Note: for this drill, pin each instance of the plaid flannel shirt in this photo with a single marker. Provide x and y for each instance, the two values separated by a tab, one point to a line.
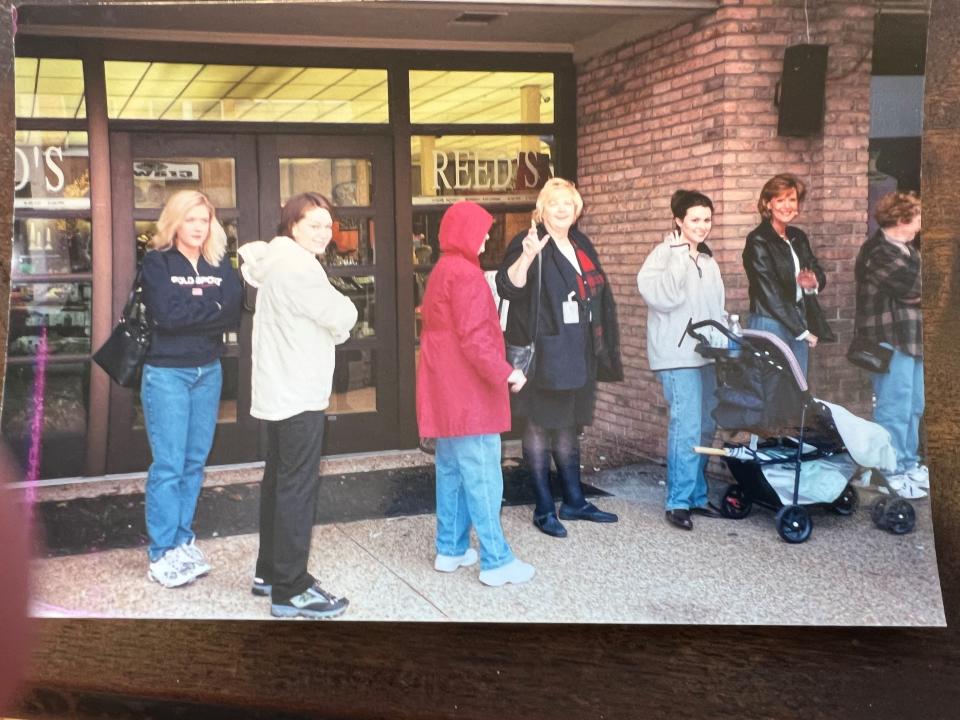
888	294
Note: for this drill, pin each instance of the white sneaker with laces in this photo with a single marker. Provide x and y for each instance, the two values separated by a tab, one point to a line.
170	570
903	486
514	571
449	563
190	553
920	476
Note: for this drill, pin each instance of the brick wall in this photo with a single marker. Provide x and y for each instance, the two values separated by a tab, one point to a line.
693	108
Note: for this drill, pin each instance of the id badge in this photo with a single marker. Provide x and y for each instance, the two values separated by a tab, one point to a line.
571	311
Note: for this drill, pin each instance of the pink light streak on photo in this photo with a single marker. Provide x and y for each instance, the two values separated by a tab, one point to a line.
36	420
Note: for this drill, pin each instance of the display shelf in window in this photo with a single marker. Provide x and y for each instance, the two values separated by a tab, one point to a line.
63	309
51	246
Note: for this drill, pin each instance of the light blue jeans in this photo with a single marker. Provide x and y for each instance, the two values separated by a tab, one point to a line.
180	409
690	396
900	405
799	347
470	490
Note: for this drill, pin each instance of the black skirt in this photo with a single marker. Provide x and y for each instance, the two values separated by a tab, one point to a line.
556	409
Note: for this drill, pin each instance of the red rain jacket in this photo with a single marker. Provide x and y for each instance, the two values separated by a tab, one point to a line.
462	372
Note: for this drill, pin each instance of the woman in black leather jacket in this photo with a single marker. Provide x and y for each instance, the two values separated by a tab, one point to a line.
783	272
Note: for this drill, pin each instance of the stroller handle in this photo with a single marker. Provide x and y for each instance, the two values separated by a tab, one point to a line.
692	328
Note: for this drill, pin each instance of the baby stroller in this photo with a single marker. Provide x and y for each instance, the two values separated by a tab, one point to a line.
811	448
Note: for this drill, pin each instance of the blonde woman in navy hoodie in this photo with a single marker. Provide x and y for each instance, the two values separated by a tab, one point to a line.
192	295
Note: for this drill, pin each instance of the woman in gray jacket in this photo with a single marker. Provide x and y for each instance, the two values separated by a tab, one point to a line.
680	281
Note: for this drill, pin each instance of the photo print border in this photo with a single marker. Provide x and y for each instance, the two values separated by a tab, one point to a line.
741	671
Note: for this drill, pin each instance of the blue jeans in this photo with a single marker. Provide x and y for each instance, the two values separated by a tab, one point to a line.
180	409
900	405
800	349
470	490
690	395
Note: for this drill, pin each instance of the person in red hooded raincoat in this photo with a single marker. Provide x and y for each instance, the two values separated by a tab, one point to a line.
463	400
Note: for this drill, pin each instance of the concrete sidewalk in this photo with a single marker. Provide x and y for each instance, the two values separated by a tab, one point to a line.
639	570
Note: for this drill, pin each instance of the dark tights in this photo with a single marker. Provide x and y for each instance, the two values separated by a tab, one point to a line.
538	445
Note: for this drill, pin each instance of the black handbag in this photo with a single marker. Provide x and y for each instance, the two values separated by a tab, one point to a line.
522	357
869	355
122	355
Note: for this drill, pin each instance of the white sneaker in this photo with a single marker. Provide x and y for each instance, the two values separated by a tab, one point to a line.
191	554
170	570
920	476
449	563
514	571
903	486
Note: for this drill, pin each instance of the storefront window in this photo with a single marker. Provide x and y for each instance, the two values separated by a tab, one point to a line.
441	96
49	88
51	171
354	383
156	179
185	91
483	168
347	182
62	309
51	247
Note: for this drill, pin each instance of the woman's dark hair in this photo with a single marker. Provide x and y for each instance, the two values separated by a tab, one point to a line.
683	200
297	207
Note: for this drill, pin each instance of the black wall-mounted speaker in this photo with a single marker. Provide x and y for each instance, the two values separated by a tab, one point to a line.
802	89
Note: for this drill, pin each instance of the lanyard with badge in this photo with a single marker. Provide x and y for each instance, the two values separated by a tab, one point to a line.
571	309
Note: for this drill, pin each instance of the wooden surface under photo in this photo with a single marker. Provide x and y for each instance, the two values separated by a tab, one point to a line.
113	668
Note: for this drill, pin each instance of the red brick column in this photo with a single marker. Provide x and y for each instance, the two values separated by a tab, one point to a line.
693	108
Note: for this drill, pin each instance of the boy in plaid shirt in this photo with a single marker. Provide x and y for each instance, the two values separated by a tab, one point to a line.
889	312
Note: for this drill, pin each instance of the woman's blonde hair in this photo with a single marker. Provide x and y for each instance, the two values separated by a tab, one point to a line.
172	216
555	186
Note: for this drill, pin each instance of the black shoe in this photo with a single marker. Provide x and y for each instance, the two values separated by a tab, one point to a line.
709	510
549	525
680	518
260	587
588	512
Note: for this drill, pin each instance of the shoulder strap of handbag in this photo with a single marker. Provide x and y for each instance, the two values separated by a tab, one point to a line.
536	323
536	317
132	308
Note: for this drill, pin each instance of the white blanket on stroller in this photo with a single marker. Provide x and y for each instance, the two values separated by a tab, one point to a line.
867	442
821	481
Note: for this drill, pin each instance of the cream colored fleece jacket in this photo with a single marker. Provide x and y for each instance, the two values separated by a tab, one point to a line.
300	318
678	289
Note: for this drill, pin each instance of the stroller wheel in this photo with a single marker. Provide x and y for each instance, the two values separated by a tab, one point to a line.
794	523
878	513
847	503
735	504
898	516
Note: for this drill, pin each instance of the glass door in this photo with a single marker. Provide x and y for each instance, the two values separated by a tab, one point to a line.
147	169
355	173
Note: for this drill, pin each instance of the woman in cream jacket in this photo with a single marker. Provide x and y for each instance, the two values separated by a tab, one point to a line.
299	320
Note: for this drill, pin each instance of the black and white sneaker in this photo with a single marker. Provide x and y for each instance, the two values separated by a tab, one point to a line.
260	587
314	602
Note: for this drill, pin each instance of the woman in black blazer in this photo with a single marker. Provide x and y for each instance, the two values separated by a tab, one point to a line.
577	343
783	273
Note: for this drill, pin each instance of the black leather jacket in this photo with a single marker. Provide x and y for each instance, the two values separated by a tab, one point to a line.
772	275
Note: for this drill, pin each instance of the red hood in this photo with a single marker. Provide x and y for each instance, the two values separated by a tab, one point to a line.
463	228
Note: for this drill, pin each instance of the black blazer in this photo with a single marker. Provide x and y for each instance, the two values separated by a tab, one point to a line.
563	349
773	283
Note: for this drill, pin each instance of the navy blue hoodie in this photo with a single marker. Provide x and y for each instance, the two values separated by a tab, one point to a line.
188	309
